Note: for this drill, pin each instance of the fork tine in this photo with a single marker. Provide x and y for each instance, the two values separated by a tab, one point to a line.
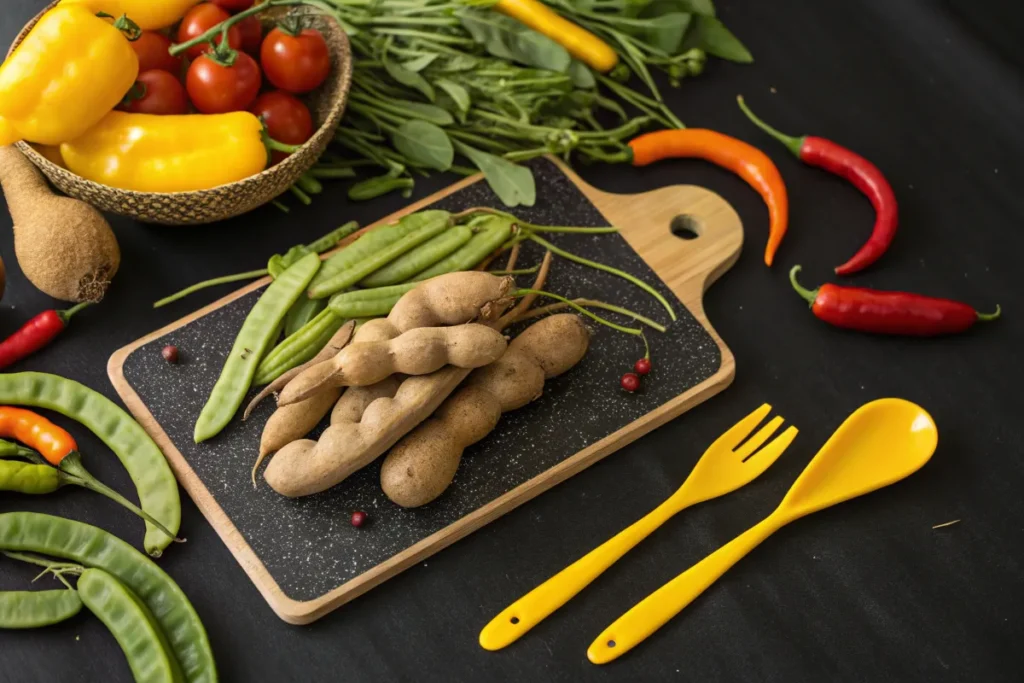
763	459
757	440
739	431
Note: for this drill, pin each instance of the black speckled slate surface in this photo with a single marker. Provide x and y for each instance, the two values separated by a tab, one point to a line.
308	545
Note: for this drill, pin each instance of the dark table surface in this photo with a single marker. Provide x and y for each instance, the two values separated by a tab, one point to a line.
933	92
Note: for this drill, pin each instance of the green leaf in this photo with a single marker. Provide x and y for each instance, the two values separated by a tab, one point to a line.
425	144
666	32
714	38
418	110
459	95
420	63
409	78
507	38
581	75
703	7
456	63
513	184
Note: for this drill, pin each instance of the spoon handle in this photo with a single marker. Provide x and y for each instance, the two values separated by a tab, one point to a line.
651	613
531	609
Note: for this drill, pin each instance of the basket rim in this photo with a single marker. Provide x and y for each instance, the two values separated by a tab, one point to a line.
331	122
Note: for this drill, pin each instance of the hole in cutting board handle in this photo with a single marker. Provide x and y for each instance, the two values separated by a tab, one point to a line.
514	620
686	227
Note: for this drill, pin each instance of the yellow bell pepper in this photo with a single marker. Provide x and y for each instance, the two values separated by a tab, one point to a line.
150	15
68	73
148	153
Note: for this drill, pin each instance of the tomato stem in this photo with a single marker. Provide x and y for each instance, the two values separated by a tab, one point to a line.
209	35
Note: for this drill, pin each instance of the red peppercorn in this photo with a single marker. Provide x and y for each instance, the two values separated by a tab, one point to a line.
642	366
358	518
170	354
630	382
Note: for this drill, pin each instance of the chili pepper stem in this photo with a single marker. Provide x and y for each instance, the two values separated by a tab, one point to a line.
67	314
250	275
793	144
808	294
75	473
987	317
537	292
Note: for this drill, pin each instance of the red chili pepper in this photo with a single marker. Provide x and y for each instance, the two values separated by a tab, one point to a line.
35	334
870	310
746	161
863	174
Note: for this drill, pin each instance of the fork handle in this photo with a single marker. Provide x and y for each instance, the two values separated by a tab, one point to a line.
531	609
651	613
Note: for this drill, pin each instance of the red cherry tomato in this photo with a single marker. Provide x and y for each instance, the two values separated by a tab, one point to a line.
152	50
297	64
233	6
285	117
161	93
218	89
201	19
252	34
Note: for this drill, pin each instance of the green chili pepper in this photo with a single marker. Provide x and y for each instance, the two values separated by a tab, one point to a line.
35	609
378	259
256	335
9	449
420	258
299	347
304	310
146	465
93	547
369	303
28	478
494	231
373	241
133	626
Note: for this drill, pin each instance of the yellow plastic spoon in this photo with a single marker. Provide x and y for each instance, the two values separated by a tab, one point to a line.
881	443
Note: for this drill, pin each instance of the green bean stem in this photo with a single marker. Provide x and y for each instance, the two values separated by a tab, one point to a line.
250	275
579	309
592	303
608	269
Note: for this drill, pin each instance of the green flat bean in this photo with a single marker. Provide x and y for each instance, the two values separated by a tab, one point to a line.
304	310
420	258
256	335
94	547
494	231
371	242
369	303
379	259
35	609
146	465
278	263
132	625
299	347
331	239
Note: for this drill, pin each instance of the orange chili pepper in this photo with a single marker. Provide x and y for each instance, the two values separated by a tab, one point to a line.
35	431
746	161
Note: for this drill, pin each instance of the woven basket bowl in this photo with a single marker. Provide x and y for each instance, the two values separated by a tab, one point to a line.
327	104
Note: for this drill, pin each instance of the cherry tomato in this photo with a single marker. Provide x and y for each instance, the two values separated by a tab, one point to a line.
252	34
297	64
201	19
162	93
285	117
233	6
218	89
152	50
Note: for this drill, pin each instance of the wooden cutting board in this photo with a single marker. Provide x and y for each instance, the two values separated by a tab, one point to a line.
303	555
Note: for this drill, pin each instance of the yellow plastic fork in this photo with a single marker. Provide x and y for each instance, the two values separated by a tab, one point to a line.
724	467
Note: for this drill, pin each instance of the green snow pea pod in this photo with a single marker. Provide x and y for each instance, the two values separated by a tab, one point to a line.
368	303
299	347
258	332
304	310
146	465
370	243
35	609
379	259
494	231
132	625
29	478
420	258
95	548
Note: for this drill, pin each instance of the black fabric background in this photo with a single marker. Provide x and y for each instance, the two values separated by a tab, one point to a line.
933	93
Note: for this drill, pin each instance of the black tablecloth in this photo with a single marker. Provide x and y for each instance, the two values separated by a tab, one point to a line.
868	591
